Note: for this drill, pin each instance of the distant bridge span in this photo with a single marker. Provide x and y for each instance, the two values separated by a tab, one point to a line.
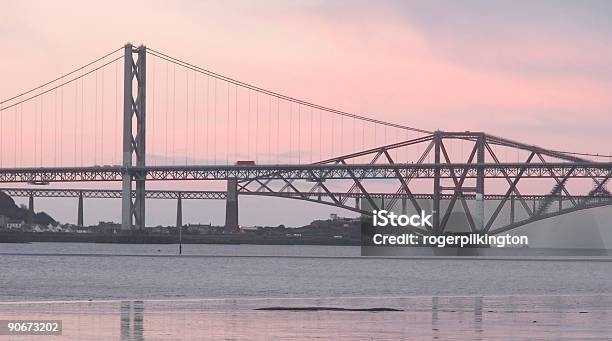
584	202
456	167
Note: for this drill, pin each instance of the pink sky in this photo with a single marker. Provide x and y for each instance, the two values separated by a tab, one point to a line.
359	58
537	73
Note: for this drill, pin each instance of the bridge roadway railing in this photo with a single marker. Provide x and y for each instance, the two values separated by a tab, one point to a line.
221	195
308	172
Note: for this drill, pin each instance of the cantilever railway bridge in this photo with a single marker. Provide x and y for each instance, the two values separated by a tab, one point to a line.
201	130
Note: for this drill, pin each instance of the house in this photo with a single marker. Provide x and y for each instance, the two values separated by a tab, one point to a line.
14	224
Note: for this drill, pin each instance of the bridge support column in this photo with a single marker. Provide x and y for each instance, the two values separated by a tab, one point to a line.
480	179
133	212
436	185
357	203
404	207
31	209
231	205
80	210
179	212
512	209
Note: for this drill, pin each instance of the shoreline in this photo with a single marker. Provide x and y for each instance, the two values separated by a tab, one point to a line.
144	238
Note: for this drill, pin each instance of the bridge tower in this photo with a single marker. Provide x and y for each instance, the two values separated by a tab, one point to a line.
134	110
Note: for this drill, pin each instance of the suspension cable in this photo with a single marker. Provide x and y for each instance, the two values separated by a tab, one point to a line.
185	64
57	86
62	76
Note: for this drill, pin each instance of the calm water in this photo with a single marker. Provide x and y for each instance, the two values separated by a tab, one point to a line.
149	292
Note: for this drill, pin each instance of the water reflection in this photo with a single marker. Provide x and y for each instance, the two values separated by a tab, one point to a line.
132	327
434	318
478	317
443	318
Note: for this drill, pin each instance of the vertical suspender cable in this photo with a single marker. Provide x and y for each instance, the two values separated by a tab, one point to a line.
207	106
116	125
102	145
61	136
174	115
236	121
186	116
1	134
215	123
195	103
341	134
40	150
354	136
21	134
151	136
311	122
166	99
36	104
269	129
196	148
375	141
277	129
96	119
227	126
299	144
82	118
396	141
320	135
74	122
249	128
256	126
406	148
363	135
55	129
290	131
15	137
333	135
385	141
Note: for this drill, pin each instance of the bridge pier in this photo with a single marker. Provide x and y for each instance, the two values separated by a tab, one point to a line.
80	210
436	184
31	209
179	212
480	183
231	205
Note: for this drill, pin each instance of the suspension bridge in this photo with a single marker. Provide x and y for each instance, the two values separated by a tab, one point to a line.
137	116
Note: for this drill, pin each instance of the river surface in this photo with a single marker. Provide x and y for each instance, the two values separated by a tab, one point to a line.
136	292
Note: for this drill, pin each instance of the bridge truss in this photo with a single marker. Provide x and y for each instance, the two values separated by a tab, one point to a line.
444	172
